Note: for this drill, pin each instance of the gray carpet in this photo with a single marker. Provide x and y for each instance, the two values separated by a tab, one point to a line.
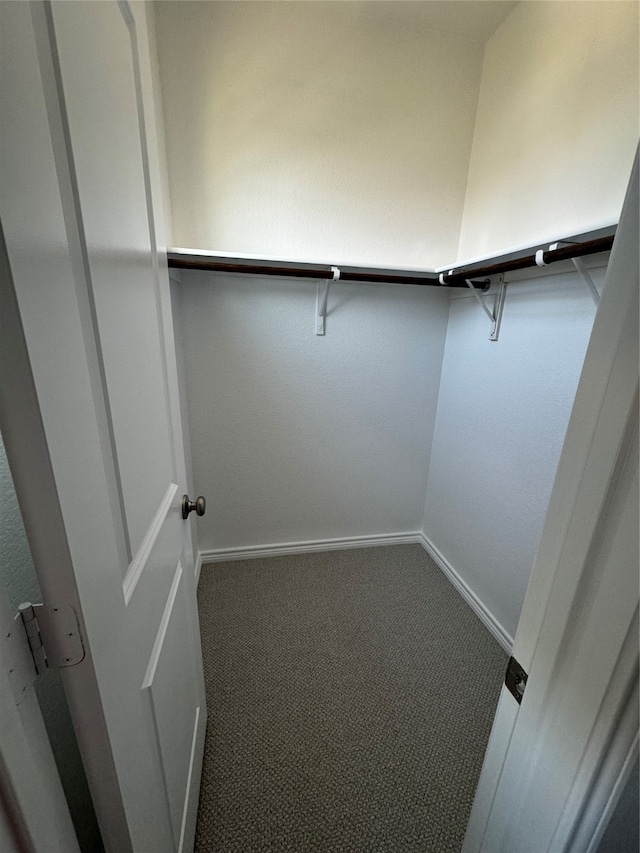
351	695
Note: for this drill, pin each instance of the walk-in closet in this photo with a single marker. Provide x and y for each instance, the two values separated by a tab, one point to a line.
319	370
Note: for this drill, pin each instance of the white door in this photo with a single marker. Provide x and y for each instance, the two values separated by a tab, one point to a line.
34	817
555	764
92	425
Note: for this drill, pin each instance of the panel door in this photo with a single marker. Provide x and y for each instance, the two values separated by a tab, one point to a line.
79	195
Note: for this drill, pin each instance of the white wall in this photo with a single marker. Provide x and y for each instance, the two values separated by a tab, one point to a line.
296	437
334	131
304	130
313	131
502	415
17	573
557	125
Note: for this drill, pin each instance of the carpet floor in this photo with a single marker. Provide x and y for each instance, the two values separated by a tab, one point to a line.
351	695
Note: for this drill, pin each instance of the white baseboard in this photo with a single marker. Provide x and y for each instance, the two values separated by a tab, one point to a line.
479	608
218	555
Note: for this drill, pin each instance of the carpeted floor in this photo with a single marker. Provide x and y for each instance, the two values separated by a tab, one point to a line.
351	695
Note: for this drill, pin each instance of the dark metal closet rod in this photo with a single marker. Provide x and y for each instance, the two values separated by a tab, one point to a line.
179	262
457	279
565	253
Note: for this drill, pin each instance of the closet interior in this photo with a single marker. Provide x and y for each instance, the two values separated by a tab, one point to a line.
353	144
387	250
376	237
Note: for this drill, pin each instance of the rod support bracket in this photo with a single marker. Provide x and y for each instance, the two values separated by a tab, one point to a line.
498	308
321	301
586	277
578	264
495	313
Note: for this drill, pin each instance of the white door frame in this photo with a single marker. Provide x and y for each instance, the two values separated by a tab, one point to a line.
555	765
35	816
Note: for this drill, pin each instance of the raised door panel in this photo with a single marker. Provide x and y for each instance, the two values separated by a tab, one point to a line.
148	580
106	132
170	687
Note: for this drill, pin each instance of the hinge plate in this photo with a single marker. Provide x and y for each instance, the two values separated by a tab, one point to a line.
60	634
22	672
39	637
515	679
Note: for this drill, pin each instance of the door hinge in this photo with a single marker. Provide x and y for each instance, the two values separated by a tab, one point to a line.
515	679
53	640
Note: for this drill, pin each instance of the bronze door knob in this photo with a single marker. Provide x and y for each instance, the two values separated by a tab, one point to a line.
188	506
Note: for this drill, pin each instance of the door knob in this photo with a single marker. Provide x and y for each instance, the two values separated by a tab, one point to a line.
188	506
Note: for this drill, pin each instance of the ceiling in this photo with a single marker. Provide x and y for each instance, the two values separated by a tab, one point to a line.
476	19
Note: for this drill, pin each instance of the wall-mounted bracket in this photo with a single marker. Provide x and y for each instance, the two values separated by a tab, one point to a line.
495	313
578	264
321	301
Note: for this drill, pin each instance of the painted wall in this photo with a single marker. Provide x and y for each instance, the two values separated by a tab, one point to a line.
503	411
300	438
557	125
296	437
18	579
321	131
18	575
311	131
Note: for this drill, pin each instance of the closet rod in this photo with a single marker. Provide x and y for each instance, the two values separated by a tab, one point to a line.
457	275
204	263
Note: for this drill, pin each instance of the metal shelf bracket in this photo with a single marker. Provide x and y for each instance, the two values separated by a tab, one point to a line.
578	264
321	301
495	313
